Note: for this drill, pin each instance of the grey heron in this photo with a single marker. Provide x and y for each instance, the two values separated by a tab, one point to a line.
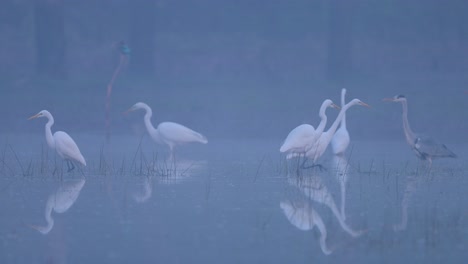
425	148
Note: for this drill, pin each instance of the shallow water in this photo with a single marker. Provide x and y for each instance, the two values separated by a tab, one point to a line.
231	201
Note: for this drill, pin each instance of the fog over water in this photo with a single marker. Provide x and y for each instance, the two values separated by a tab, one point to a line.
242	74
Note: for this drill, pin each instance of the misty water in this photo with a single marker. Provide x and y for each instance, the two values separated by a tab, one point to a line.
242	73
230	201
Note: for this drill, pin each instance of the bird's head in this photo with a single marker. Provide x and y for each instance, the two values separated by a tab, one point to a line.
396	98
358	102
43	113
137	106
329	103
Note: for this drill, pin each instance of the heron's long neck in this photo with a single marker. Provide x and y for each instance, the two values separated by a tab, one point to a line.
406	127
48	132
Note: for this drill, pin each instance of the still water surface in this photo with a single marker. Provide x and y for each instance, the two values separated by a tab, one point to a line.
229	202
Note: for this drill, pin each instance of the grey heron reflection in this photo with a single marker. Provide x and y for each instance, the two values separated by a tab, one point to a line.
301	215
314	188
412	184
60	201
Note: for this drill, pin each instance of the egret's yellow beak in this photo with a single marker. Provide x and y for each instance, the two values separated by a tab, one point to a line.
365	105
388	99
335	106
131	109
34	116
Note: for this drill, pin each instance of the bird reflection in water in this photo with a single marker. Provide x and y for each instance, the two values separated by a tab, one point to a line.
304	217
340	170
60	201
313	187
167	173
412	183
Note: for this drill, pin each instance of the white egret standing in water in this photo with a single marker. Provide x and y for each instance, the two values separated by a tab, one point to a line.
60	141
169	133
303	136
424	147
317	150
340	140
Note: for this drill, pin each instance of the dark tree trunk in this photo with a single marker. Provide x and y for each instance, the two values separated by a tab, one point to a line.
340	40
50	38
142	34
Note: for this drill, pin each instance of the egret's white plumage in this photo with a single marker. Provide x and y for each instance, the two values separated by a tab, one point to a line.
169	133
303	136
317	150
340	140
63	144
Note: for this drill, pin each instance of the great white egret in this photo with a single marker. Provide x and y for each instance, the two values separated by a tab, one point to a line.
169	133
60	141
340	140
60	201
424	147
303	136
317	150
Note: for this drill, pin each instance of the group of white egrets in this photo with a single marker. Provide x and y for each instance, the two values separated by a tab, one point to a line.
302	141
305	140
169	133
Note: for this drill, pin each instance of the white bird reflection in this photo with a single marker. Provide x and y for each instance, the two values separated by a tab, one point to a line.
167	173
313	187
412	183
60	201
304	217
145	191
340	169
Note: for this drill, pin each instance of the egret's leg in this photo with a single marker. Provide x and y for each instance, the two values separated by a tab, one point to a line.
320	166
303	162
70	166
171	153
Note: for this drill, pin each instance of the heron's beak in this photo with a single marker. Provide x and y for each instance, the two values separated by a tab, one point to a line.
131	109
34	116
335	106
388	99
365	105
